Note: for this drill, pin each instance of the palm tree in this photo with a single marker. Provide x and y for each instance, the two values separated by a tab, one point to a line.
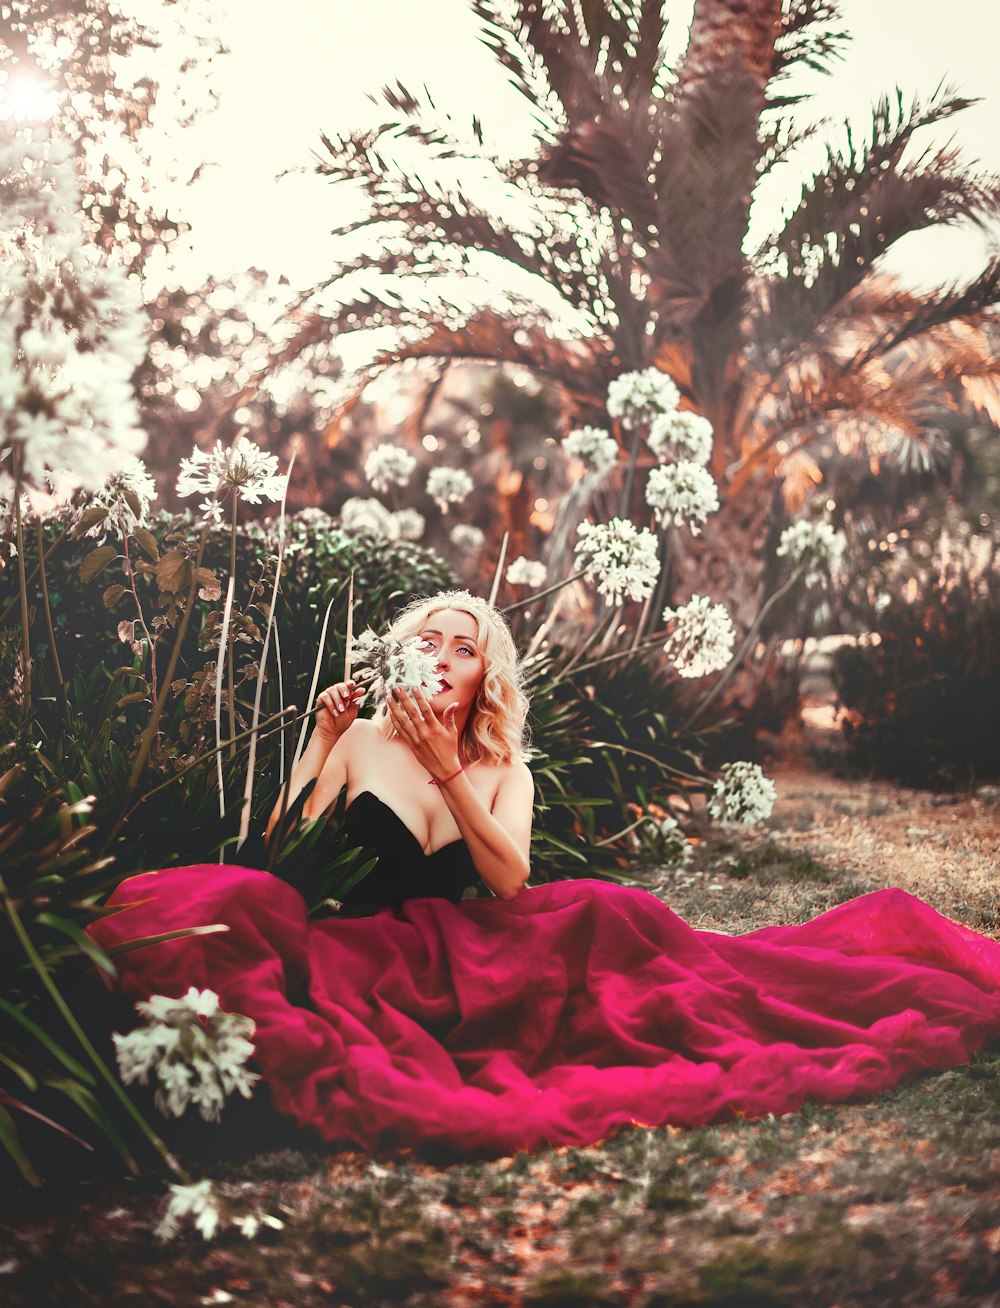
633	213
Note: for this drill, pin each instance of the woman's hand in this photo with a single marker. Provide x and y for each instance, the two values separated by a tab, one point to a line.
336	709
433	741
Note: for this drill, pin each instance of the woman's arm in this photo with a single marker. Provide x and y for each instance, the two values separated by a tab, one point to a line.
499	840
337	708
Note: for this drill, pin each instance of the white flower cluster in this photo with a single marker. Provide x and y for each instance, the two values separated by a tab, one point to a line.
672	846
741	796
466	538
620	558
702	638
126	495
526	572
244	469
681	435
410	524
638	396
593	446
208	1210
448	486
368	517
71	331
384	662
389	465
814	546
193	1049
682	493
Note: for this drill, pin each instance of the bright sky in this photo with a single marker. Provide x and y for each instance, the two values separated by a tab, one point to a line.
306	68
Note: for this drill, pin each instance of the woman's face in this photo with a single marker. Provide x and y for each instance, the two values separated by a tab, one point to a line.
451	633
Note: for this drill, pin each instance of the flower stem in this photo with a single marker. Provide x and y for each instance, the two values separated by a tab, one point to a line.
48	607
43	974
12	605
230	650
618	654
751	636
540	594
629	482
159	703
23	584
138	608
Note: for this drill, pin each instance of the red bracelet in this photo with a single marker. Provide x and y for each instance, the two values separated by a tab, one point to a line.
444	780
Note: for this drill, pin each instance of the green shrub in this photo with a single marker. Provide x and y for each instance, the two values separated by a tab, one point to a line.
923	697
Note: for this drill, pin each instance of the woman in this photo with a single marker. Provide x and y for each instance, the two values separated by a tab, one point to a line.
550	1015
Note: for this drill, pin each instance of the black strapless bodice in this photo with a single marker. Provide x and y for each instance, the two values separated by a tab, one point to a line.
403	870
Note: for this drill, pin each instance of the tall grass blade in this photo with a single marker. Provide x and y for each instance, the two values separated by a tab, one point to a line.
499	572
220	669
315	682
254	721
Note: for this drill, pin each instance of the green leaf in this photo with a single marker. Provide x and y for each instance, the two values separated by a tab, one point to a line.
96	562
132	500
43	1037
93	951
133	697
11	1141
147	543
112	595
89	519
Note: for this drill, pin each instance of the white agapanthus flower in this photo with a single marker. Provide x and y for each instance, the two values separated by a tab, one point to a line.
672	845
193	1050
381	663
243	469
466	538
389	465
526	572
197	1201
127	496
742	796
683	494
71	330
448	486
368	517
619	557
593	446
636	397
681	435
702	638
411	524
208	1210
814	546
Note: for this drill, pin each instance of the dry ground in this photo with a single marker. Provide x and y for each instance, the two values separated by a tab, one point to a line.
892	1202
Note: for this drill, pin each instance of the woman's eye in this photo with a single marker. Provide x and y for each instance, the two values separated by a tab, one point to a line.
465	649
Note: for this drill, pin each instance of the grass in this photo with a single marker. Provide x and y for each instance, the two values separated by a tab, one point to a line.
890	1202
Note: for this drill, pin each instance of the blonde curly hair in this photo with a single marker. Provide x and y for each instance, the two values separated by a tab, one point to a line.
496	731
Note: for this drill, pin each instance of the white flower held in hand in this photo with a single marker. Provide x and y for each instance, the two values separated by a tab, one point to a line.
702	639
244	469
682	493
681	435
593	446
384	662
448	486
389	465
636	397
526	572
622	558
814	546
194	1051
741	796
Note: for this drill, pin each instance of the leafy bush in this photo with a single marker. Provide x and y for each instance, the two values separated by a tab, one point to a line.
921	692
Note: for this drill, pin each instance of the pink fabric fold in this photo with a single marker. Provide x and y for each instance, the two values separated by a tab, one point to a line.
563	1015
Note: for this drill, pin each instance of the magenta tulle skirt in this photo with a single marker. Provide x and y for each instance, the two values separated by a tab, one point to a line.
559	1017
